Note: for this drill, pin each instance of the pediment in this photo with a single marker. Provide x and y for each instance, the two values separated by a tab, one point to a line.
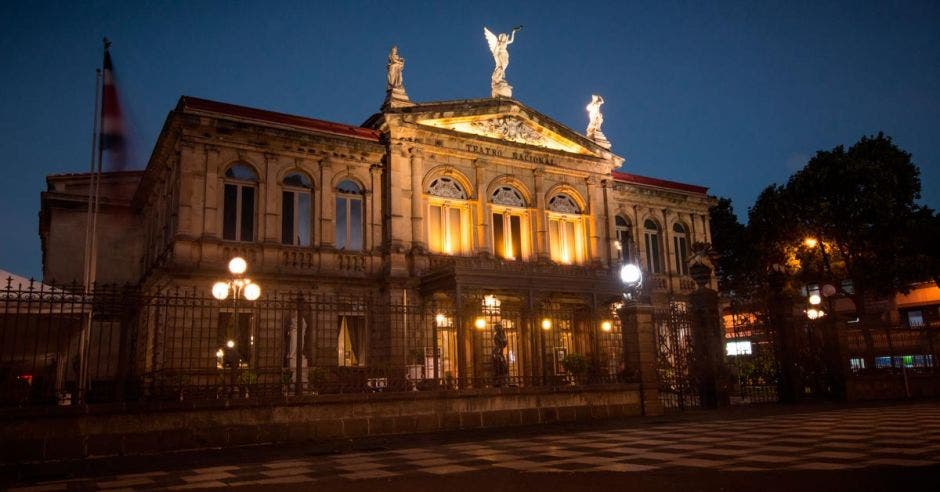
511	128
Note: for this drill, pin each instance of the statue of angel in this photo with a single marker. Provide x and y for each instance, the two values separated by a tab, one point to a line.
595	116
499	48
395	66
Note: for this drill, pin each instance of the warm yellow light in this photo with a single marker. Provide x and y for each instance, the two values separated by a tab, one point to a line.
810	242
237	265
220	354
546	324
490	301
480	323
440	319
252	292
220	290
230	344
814	299
606	325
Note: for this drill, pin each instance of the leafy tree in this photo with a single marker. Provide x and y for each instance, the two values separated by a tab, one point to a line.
861	206
735	258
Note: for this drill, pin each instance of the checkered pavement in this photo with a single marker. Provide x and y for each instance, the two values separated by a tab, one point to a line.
842	439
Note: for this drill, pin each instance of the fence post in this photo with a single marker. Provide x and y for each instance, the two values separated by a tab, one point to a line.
708	339
639	352
780	314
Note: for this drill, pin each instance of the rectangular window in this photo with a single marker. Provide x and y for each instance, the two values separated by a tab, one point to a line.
453	243
499	238
681	253
355	225
857	363
738	348
352	341
247	214
915	319
654	262
230	212
287	217
436	229
341	222
515	228
304	219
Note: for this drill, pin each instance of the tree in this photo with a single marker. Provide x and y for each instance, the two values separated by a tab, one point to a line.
735	258
861	206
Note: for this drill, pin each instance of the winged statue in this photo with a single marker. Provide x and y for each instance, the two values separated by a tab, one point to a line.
498	44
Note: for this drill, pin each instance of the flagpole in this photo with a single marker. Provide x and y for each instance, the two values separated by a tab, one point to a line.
91	233
91	187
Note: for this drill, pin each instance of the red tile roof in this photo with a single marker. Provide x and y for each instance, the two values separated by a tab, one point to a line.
196	104
662	183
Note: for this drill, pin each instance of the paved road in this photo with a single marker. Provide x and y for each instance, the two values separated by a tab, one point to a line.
873	448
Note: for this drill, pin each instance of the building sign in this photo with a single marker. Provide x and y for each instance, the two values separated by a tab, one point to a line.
515	154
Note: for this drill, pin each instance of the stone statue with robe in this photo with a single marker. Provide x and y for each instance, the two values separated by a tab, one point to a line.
595	120
499	47
395	87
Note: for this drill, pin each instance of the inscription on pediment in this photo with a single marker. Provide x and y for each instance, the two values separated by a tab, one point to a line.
510	129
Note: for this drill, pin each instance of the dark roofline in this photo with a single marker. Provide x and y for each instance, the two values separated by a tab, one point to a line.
661	183
103	173
197	104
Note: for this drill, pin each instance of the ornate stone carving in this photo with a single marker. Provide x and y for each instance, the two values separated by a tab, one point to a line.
564	204
507	195
499	47
509	128
445	187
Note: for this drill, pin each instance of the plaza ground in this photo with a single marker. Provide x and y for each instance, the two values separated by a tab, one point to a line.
809	447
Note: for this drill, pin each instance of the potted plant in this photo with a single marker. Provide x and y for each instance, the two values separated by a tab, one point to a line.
576	365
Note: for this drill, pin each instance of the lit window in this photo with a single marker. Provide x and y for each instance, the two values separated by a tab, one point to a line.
624	239
915	319
238	209
508	223
654	259
296	211
857	363
351	342
738	348
680	244
565	230
448	217
349	216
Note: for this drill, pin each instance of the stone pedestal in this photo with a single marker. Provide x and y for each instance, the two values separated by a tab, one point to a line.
600	139
639	353
708	339
396	98
501	89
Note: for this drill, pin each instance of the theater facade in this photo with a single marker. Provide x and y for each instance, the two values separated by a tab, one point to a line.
478	213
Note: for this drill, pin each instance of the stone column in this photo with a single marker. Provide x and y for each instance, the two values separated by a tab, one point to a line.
639	352
541	226
484	231
418	241
708	340
593	250
327	204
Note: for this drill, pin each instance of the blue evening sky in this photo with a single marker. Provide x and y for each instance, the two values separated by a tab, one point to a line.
730	95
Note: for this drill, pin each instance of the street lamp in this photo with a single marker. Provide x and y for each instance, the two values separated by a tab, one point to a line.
632	278
238	286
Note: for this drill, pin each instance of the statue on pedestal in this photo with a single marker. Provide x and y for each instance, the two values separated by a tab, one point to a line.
499	48
395	95
595	120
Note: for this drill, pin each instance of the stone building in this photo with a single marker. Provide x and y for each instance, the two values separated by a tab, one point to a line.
476	207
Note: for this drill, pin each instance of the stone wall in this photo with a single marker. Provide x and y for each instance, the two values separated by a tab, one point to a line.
891	387
100	432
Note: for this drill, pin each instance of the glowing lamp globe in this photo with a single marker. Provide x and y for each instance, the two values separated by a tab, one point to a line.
440	319
606	325
252	292
546	324
630	274
812	313
220	290
815	299
479	323
237	265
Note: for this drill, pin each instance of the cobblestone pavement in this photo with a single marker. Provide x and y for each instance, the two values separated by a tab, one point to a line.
840	439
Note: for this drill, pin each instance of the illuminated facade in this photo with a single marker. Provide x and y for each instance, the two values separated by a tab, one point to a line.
484	206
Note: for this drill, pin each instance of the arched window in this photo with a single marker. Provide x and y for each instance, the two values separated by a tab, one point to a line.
448	217
654	258
508	207
238	208
680	244
296	210
565	231
624	239
349	216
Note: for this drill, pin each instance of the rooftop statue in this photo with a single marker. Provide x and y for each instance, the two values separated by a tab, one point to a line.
595	120
395	89
499	48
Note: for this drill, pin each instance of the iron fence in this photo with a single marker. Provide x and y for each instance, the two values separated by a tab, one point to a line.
61	346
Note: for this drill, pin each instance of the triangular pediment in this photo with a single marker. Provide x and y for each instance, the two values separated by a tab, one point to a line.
508	127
